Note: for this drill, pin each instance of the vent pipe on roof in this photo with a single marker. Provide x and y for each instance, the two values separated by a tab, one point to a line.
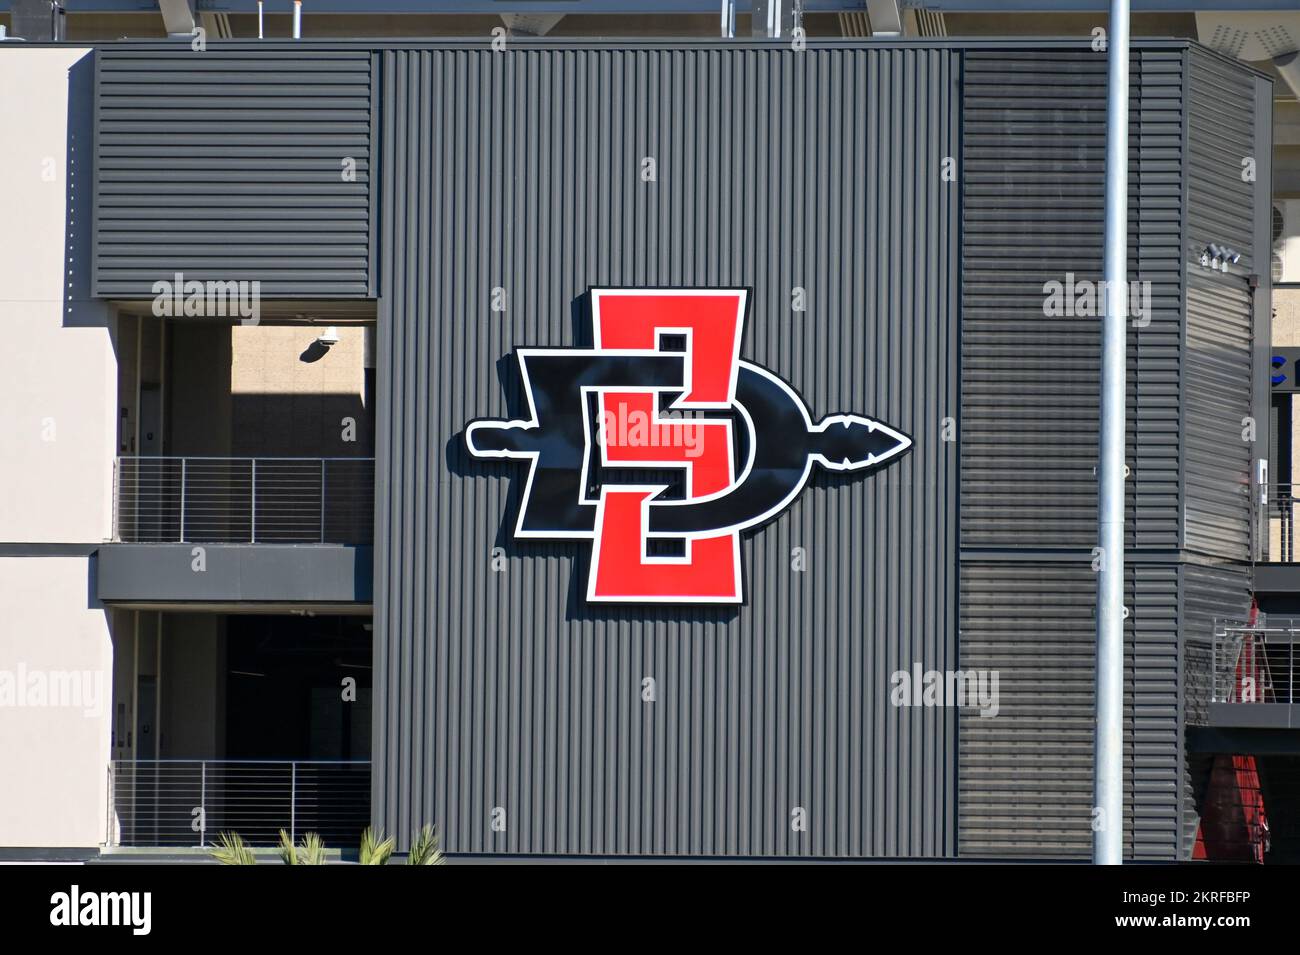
729	18
297	19
259	20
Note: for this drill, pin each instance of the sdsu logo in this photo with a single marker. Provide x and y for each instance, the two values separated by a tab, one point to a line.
660	446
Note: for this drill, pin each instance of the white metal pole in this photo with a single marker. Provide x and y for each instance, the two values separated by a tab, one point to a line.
297	19
1108	817
729	18
259	19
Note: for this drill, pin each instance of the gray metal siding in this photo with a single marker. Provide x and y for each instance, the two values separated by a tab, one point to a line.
1220	203
1153	767
1217	405
1218	369
227	165
775	169
1034	138
281	574
1026	774
1034	168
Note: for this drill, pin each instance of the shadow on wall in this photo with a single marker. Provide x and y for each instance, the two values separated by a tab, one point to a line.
203	417
301	425
80	309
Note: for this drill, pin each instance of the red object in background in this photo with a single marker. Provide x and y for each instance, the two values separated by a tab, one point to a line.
1249	666
1234	825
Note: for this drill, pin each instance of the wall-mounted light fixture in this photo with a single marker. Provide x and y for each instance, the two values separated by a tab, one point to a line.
1219	257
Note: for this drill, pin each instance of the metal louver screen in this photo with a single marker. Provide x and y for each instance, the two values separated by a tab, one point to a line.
226	166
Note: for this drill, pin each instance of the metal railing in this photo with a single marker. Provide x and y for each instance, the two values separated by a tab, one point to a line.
244	500
189	802
1255	664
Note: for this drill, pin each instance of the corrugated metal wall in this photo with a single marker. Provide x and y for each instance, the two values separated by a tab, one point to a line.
1026	773
775	169
1034	159
1220	319
1216	412
1221	357
1034	141
1034	132
1220	201
229	165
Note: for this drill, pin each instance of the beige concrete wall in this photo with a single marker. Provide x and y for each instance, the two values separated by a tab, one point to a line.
290	397
57	427
58	368
1286	317
58	434
56	750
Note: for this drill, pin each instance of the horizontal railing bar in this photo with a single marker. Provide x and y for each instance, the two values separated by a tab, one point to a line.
245	499
211	458
247	762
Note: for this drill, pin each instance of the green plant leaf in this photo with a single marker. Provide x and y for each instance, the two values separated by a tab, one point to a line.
288	851
313	850
231	850
424	850
375	849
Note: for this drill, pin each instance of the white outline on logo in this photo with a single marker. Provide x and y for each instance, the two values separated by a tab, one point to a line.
903	442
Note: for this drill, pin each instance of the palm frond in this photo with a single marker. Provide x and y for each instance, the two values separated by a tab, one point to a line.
288	851
313	849
375	849
232	850
424	850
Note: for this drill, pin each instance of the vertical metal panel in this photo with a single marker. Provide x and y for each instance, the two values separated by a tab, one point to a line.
228	165
776	169
1220	202
1217	387
1033	161
1153	769
1034	140
1218	368
1026	774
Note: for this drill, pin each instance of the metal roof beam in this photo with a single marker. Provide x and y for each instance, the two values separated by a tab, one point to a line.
178	16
